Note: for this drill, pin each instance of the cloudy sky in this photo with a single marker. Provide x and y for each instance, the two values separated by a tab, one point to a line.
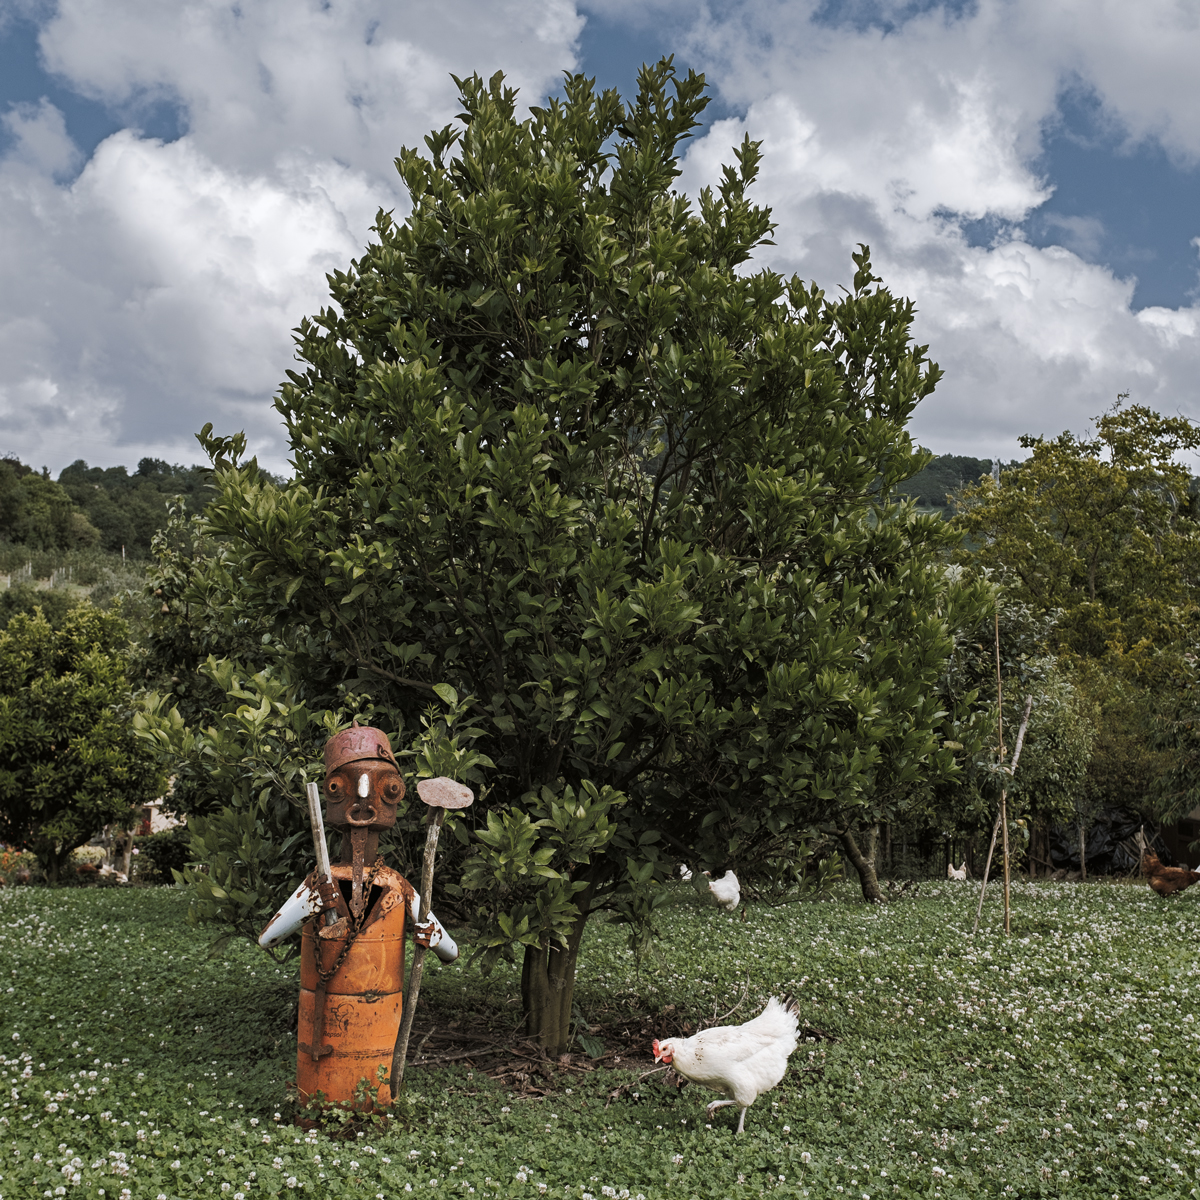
176	177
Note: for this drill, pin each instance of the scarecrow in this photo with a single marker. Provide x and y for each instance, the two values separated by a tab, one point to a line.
354	914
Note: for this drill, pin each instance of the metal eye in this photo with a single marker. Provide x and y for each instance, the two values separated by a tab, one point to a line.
391	790
333	786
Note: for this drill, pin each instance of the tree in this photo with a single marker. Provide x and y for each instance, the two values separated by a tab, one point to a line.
1103	529
36	512
1103	533
558	448
69	761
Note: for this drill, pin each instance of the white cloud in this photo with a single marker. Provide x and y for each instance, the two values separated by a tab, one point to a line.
883	138
40	138
345	80
158	289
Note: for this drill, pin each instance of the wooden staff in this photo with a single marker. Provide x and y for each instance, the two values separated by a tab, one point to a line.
1000	820
440	794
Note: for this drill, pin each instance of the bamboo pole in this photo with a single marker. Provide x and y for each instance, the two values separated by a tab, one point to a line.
1003	791
1000	820
986	869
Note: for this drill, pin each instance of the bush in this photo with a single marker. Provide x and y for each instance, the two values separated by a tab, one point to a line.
16	866
161	853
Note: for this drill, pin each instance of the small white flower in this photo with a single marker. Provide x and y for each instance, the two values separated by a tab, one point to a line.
787	1129
805	1157
677	1159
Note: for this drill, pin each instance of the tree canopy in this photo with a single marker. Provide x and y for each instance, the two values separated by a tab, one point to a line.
557	447
1101	534
69	760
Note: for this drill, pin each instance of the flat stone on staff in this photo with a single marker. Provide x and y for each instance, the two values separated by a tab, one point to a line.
445	793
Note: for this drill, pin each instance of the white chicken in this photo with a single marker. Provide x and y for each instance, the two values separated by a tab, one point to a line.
739	1061
726	890
959	873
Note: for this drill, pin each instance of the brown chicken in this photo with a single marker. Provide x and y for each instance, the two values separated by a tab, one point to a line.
1166	881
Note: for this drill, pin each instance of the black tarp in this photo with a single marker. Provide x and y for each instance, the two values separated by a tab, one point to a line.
1105	853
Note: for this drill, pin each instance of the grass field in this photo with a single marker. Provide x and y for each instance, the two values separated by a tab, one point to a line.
1060	1062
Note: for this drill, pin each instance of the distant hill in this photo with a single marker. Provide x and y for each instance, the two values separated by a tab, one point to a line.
947	473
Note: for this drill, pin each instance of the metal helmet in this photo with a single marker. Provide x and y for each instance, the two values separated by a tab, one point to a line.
355	744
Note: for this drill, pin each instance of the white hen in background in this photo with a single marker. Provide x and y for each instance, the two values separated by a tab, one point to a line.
739	1061
953	872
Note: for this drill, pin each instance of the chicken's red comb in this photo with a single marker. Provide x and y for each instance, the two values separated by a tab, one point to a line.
654	1048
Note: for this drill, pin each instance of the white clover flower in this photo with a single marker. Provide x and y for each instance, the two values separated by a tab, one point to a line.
938	1172
291	1181
677	1159
805	1157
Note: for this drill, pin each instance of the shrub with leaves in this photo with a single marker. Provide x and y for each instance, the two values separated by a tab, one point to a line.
69	761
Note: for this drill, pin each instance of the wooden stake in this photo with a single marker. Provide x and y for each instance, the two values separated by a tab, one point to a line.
987	867
1000	820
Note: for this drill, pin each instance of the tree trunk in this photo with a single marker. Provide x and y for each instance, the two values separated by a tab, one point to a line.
864	866
52	859
548	984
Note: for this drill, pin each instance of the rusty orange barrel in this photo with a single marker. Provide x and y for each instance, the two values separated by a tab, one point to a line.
362	1005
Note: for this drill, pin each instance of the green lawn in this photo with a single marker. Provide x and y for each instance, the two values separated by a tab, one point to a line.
1060	1062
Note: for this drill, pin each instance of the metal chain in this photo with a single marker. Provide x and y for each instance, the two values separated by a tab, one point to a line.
356	925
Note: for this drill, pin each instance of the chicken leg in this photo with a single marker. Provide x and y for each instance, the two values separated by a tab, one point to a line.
712	1108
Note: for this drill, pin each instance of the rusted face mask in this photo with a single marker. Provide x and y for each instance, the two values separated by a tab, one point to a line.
363	785
363	795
